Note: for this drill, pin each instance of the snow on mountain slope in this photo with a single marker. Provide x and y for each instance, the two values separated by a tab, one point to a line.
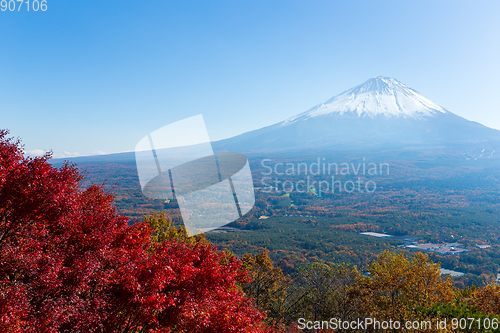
378	114
378	96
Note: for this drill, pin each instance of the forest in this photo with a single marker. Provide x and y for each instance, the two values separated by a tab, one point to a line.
434	198
70	262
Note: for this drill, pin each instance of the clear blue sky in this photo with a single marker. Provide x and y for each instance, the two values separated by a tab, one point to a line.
96	76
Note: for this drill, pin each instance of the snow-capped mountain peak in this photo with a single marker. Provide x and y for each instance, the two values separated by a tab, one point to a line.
377	96
381	113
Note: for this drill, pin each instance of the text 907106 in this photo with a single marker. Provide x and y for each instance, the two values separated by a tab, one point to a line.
23	5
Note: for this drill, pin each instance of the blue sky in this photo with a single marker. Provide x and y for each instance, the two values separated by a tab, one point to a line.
87	77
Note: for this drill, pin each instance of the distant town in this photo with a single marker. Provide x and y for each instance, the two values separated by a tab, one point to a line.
411	243
443	248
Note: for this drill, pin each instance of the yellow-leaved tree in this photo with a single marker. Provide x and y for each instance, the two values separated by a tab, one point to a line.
397	285
164	229
268	285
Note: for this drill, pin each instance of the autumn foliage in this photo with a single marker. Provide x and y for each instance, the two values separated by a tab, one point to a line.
70	263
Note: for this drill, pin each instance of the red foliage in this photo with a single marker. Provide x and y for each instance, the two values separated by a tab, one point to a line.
70	263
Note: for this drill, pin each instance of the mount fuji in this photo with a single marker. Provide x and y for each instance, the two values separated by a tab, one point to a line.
382	112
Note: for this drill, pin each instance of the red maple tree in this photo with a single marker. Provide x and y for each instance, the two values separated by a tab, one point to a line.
70	263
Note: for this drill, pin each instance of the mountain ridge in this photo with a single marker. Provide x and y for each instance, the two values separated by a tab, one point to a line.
430	126
380	112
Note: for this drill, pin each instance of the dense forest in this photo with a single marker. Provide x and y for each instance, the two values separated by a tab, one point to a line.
434	198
